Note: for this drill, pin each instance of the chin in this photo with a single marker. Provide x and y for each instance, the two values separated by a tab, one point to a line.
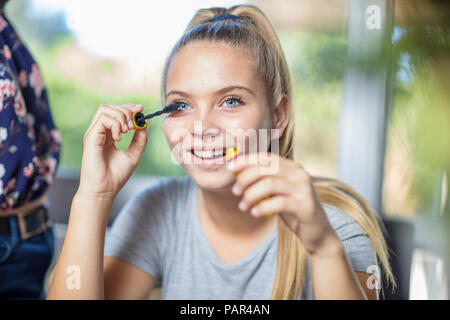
211	180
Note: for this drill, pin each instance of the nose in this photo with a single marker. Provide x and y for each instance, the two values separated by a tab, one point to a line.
205	127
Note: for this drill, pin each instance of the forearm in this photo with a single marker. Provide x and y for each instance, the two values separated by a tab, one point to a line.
82	251
333	277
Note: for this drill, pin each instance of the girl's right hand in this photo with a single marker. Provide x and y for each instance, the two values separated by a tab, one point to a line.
104	167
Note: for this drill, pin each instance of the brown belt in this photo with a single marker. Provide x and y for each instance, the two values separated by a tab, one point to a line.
27	207
33	218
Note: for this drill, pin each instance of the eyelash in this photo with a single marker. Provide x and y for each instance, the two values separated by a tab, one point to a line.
239	101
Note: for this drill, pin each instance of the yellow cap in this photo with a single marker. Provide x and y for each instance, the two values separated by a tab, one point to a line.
135	125
231	153
269	214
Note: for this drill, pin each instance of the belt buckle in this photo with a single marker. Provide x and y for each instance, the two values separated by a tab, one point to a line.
21	218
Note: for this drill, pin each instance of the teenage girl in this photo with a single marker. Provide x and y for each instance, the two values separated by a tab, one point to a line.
229	230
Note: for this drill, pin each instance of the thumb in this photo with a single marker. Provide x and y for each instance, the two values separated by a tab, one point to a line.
137	144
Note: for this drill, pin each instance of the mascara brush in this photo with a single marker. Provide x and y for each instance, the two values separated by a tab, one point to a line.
140	120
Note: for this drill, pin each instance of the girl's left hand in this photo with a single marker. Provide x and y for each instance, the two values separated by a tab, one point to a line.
292	197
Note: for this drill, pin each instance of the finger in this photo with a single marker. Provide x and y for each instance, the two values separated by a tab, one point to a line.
266	187
253	173
114	112
125	112
131	109
128	115
242	161
273	205
137	144
100	110
248	168
95	117
105	126
110	126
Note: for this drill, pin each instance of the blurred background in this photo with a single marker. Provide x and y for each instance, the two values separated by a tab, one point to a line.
371	101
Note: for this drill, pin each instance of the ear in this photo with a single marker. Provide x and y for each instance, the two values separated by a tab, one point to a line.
281	116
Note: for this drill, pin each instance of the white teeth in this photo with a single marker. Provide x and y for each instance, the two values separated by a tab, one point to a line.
206	154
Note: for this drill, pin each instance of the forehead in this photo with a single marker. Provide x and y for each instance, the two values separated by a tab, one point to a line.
204	66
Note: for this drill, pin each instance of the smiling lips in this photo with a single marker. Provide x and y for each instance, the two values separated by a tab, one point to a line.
211	157
209	154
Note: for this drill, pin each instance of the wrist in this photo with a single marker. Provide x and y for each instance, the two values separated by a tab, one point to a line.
93	206
331	247
98	198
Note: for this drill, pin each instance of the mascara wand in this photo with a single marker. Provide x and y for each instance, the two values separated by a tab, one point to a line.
139	119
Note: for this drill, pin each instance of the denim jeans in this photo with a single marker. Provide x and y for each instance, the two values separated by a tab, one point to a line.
24	263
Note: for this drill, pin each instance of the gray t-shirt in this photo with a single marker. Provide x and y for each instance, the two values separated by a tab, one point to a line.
159	231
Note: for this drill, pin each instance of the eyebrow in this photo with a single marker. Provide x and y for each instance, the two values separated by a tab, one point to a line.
221	91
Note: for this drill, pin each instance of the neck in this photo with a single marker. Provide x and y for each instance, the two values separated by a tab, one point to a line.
221	209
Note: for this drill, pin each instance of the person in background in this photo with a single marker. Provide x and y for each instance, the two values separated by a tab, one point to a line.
29	154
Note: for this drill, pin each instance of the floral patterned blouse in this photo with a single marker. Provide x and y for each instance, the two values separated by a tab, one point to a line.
29	141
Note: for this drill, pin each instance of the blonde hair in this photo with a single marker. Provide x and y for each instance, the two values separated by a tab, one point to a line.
253	32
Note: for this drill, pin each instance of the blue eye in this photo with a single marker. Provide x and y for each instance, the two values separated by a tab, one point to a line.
234	102
182	106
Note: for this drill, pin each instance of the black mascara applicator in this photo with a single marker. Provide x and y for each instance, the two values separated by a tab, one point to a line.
140	120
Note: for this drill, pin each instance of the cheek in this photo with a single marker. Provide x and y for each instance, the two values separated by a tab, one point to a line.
235	123
247	129
252	118
172	132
